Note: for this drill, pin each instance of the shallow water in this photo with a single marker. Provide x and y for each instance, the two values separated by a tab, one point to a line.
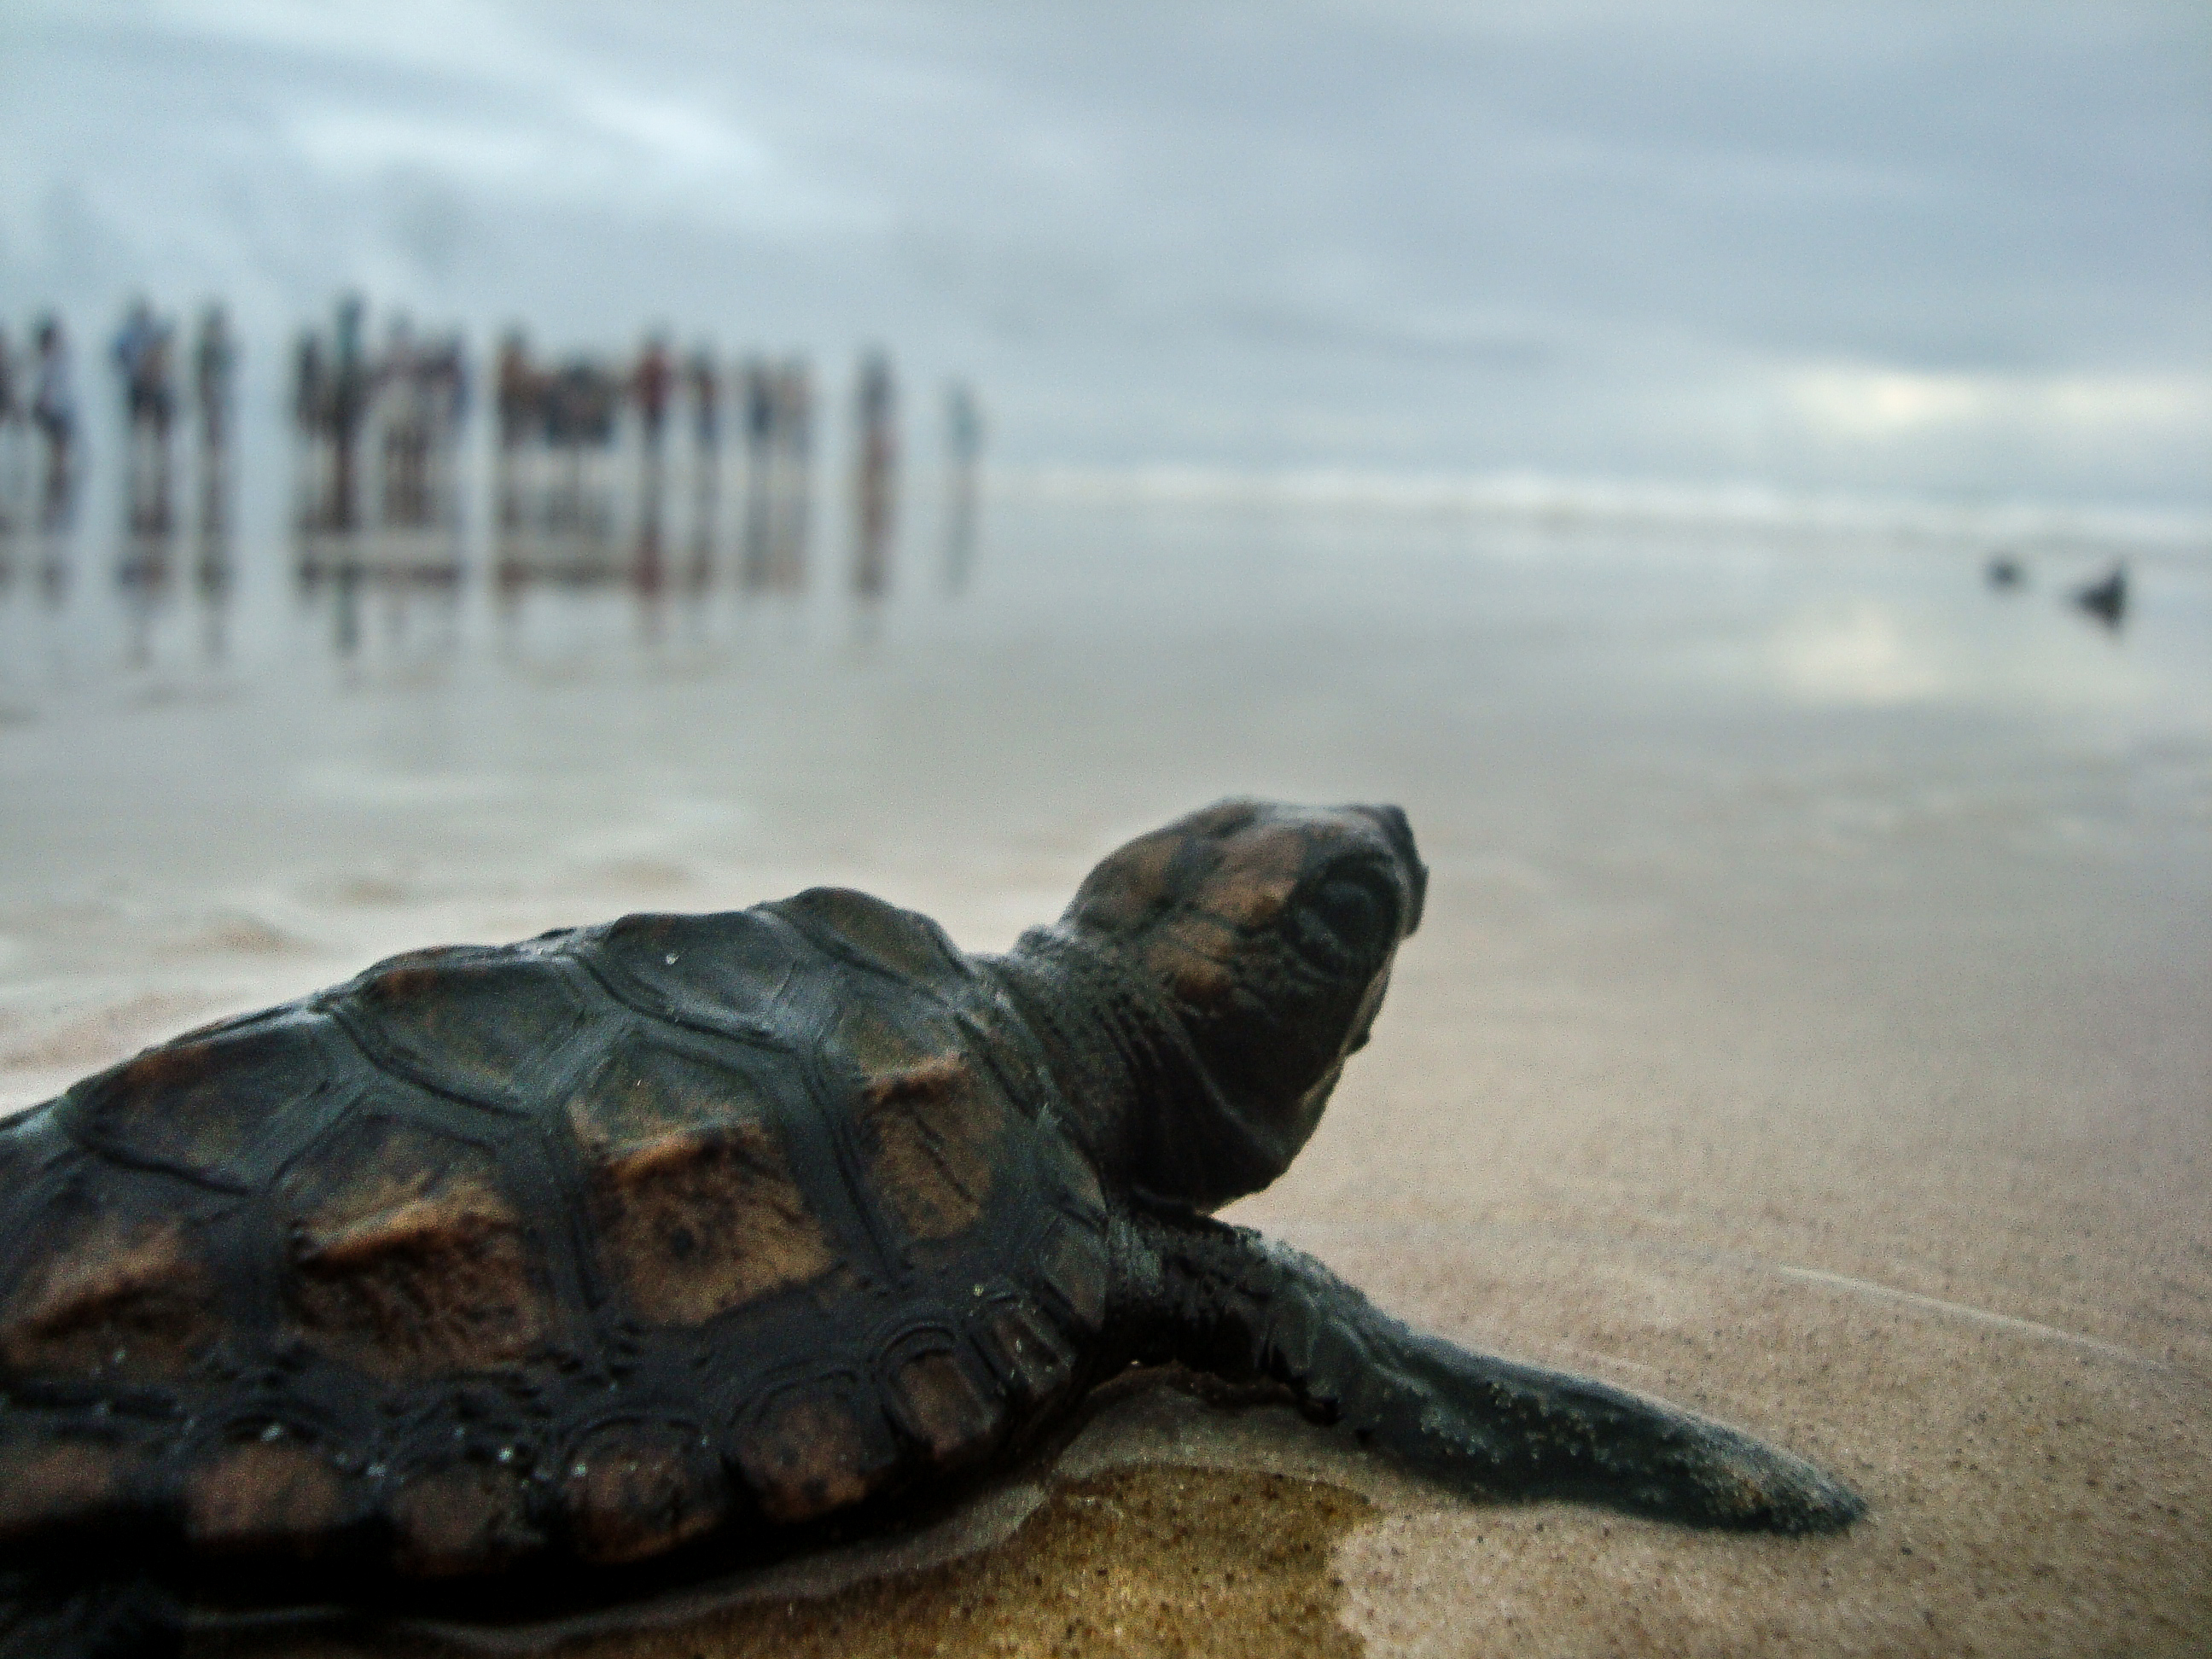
1807	1024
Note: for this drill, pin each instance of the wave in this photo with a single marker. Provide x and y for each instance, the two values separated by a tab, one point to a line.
1569	502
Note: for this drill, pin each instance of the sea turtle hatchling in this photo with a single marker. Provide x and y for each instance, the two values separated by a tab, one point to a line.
680	1240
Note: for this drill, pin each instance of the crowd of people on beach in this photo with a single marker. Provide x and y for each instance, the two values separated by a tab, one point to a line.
38	389
587	450
409	401
176	392
158	382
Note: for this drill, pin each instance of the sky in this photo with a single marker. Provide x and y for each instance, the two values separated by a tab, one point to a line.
1923	249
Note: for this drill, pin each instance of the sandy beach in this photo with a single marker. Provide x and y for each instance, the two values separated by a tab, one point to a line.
1808	1025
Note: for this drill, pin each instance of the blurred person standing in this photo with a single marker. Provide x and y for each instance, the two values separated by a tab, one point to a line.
760	413
10	411
758	392
311	399
652	383
215	364
706	404
520	400
352	384
447	384
705	381
11	421
875	475
54	409
516	391
795	476
404	412
141	356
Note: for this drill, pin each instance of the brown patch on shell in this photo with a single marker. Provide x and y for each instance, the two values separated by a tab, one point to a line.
112	1297
55	1485
935	1127
262	1498
697	1224
943	1408
808	1455
198	1104
408	1261
697	1209
469	1518
633	1493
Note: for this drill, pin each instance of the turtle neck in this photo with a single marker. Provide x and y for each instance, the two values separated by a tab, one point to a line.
1141	1102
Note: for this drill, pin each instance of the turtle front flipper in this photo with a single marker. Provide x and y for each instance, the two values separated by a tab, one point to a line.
1224	1301
47	1615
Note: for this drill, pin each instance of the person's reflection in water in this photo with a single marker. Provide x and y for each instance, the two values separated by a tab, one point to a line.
215	365
964	448
760	412
53	411
145	574
350	389
11	471
519	395
404	416
345	609
792	514
311	402
705	381
143	358
648	568
651	383
11	436
706	509
212	572
875	480
56	568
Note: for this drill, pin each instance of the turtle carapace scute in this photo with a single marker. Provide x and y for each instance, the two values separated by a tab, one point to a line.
686	1239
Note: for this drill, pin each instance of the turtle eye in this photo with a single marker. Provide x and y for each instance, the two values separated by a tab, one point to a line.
1353	910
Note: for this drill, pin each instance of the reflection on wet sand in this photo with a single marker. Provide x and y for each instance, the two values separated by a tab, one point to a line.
396	546
404	405
605	476
214	565
778	466
875	477
964	449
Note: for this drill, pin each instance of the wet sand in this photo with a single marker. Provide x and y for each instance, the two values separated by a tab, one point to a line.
1808	1027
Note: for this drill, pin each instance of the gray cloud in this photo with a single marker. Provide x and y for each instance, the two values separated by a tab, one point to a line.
1956	249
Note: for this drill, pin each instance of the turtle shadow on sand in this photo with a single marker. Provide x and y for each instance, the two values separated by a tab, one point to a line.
502	1275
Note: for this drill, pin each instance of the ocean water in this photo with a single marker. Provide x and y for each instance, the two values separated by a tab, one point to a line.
232	751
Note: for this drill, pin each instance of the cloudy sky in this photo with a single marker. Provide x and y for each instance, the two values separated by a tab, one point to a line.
1930	249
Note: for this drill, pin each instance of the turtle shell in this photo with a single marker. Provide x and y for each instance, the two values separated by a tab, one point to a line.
574	1249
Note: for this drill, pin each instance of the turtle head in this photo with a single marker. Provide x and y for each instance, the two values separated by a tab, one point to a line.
1269	931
